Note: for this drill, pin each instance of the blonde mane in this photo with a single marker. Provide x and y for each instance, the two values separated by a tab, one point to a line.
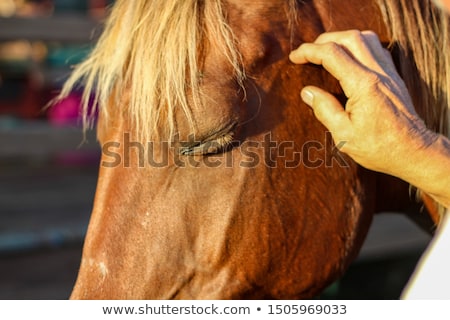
420	38
149	50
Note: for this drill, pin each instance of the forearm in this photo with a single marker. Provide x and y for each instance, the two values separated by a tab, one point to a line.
429	170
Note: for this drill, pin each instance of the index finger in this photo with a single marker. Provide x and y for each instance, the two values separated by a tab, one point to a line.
335	60
364	46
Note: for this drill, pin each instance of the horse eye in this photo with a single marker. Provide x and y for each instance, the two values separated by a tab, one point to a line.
209	147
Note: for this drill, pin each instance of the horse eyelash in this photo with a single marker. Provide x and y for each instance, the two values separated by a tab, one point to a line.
209	147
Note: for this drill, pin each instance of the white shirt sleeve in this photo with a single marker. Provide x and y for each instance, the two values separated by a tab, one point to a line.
431	278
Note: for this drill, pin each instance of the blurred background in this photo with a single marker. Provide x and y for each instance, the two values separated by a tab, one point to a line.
48	174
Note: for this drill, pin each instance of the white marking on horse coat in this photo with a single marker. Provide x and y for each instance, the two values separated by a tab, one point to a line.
144	222
103	269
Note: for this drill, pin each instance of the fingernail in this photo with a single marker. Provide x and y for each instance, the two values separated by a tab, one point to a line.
307	97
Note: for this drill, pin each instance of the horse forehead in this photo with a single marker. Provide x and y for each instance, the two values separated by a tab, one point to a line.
259	27
255	7
253	17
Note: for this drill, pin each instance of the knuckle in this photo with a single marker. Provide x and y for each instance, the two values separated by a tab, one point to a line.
362	38
355	40
332	48
355	36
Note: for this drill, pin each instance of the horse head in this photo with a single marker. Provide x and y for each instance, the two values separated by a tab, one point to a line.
216	181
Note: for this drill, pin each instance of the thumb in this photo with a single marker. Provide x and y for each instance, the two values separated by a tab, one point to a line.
326	108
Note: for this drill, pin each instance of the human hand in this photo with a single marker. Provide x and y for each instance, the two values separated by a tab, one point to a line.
379	125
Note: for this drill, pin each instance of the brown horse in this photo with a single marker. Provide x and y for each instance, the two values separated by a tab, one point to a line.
216	181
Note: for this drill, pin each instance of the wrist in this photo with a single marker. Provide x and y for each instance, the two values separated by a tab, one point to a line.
427	167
